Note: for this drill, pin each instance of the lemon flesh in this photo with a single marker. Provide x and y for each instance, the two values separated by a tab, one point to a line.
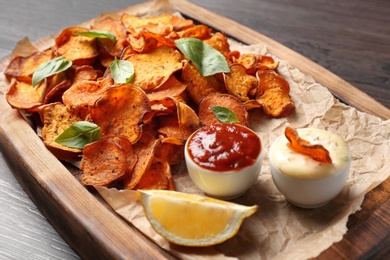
192	220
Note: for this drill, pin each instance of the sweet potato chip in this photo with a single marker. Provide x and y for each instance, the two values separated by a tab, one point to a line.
276	102
171	88
103	162
144	149
198	86
115	27
170	128
56	85
119	112
206	115
131	157
270	79
201	31
219	42
22	68
83	94
23	96
240	84
81	50
132	22
249	61
56	118
299	145
170	151
266	63
156	177
165	62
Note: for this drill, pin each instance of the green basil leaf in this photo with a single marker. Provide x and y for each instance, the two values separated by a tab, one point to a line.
224	114
79	134
208	60
98	34
122	71
50	68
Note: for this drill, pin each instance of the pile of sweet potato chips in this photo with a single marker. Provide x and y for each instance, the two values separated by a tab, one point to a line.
144	123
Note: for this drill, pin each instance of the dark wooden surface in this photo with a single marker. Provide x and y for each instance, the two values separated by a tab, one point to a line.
349	38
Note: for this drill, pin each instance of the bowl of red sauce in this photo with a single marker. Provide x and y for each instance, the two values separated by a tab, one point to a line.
224	160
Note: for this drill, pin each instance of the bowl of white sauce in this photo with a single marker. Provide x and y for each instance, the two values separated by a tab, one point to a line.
303	181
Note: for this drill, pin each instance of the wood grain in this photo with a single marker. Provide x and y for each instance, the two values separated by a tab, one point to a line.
42	185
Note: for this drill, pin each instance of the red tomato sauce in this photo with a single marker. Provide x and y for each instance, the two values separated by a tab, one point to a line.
224	147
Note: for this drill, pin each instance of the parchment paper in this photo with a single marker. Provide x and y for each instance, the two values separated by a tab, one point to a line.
279	230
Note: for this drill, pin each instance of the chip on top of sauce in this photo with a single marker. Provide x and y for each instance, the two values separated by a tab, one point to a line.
224	147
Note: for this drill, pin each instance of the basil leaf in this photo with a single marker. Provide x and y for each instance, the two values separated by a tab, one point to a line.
224	114
208	60
50	68
122	71
98	34
79	134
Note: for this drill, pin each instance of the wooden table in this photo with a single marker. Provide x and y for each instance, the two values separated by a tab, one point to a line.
351	39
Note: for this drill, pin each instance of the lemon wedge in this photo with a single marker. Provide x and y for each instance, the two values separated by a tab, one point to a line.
192	220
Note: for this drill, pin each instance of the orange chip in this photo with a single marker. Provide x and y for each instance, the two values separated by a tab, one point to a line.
103	162
219	42
266	63
165	62
171	151
83	94
249	61
56	85
198	86
156	177
132	22
171	88
239	83
201	31
131	157
81	50
144	149
56	118
22	68
207	116
24	96
299	145
115	27
270	79
170	128
120	110
276	102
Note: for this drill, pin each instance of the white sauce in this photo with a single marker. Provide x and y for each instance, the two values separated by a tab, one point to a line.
304	167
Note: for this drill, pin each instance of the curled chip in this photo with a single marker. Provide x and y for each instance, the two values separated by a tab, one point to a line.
299	145
83	94
239	83
276	102
198	86
115	27
132	22
207	117
201	31
103	162
165	62
120	110
56	118
145	150
270	79
157	177
79	49
219	42
249	61
23	96
266	63
22	68
131	157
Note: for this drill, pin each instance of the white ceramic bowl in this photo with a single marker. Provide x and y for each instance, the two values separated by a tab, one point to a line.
224	185
308	192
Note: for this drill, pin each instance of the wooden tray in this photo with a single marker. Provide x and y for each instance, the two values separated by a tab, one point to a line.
94	231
